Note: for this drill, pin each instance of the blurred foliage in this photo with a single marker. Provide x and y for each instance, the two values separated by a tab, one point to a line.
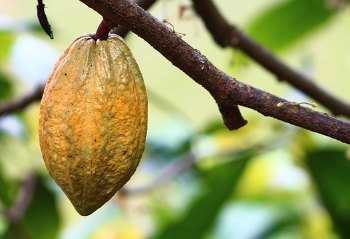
243	184
6	87
42	208
40	219
9	34
330	170
6	38
8	189
218	184
287	22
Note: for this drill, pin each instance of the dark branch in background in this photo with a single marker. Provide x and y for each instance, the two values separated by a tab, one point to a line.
226	90
165	176
16	212
228	35
24	101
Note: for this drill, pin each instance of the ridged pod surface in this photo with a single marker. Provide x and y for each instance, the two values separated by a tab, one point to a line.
93	120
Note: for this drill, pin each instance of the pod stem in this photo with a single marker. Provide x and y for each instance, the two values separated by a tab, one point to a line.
103	30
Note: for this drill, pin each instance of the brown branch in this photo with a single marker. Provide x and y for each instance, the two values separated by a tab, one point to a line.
226	90
228	35
18	104
15	105
231	115
123	31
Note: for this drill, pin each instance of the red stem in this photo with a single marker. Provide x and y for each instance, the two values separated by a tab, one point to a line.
103	30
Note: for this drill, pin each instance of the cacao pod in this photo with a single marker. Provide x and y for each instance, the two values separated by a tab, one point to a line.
93	120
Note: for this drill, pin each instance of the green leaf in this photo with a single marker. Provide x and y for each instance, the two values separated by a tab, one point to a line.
290	220
41	220
219	183
330	171
8	190
289	21
158	150
213	127
6	89
5	198
33	27
6	38
9	33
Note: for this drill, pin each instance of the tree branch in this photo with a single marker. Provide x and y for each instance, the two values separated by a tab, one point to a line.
231	115
123	31
18	104
226	91
15	105
228	35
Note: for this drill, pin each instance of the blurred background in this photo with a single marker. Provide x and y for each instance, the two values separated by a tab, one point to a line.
196	179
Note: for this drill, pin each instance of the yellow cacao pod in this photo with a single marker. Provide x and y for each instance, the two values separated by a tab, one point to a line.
93	120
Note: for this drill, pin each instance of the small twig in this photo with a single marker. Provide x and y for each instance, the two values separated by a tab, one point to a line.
24	101
165	21
282	104
230	116
226	34
24	197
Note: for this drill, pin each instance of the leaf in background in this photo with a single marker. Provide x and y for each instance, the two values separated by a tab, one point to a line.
7	38
33	27
289	21
260	219
6	88
282	226
213	127
330	171
41	220
162	151
8	190
219	183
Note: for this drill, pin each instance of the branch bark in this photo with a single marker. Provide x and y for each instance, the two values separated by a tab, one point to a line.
225	90
226	34
123	31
